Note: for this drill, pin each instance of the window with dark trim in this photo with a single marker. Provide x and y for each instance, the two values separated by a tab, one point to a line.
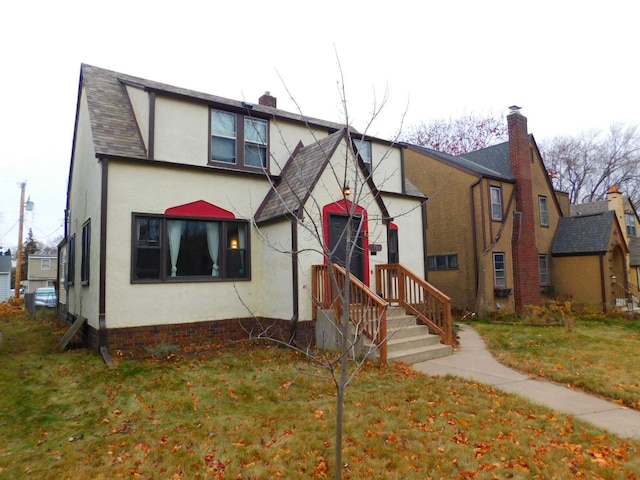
238	140
499	270
496	203
167	249
543	262
544	211
630	221
86	250
71	260
442	262
394	256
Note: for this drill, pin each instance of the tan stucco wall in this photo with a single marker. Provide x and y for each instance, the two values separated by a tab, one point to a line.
162	303
578	279
181	131
275	285
386	163
85	201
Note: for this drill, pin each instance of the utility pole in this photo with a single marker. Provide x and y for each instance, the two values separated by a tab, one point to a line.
19	254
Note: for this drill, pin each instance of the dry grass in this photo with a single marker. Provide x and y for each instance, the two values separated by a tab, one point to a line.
599	354
249	413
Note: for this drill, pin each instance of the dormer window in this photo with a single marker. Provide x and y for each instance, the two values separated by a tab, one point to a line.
238	140
364	150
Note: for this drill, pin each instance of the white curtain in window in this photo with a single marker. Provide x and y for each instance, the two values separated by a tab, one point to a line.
213	243
174	228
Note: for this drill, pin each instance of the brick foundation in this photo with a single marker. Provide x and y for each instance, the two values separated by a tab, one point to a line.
133	341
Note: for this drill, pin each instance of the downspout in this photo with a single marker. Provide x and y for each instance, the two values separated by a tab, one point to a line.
603	283
476	267
294	280
425	255
103	341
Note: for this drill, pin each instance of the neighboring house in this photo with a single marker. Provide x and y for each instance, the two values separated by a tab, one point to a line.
42	271
589	254
192	217
627	218
5	277
492	219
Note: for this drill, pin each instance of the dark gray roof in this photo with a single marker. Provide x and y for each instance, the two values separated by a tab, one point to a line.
634	251
411	189
113	124
298	178
589	208
462	162
495	158
583	234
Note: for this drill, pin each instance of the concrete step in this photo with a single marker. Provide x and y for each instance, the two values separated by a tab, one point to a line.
422	354
407	331
407	343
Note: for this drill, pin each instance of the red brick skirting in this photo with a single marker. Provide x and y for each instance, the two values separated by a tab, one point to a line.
135	340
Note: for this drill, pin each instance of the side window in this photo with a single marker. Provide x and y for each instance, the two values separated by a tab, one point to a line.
86	250
544	211
543	262
499	270
45	264
255	142
394	256
630	221
71	261
496	203
239	140
223	136
442	262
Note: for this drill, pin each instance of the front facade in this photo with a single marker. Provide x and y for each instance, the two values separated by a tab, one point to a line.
42	271
196	218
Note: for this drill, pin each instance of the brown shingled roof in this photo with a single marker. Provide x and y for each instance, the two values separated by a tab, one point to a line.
113	124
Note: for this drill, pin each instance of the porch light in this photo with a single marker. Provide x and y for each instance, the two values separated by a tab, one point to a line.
234	243
346	190
613	279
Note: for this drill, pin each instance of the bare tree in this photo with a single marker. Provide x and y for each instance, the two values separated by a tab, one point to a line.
459	135
586	165
341	365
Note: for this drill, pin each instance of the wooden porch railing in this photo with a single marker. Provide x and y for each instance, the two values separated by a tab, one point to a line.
367	311
431	307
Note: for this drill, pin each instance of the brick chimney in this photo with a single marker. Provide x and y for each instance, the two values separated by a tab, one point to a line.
526	280
268	100
615	201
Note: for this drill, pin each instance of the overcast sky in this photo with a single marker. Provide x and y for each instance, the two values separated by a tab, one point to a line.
571	66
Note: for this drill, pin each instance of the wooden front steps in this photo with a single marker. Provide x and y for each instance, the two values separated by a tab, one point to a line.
409	342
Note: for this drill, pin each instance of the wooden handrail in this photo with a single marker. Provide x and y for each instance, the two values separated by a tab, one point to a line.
629	292
396	283
367	311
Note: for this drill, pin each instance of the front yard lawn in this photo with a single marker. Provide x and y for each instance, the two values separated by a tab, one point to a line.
251	413
598	354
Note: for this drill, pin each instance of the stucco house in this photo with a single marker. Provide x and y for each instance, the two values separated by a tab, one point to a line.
42	271
499	235
192	217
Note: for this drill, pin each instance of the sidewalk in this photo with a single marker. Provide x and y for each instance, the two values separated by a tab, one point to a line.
473	361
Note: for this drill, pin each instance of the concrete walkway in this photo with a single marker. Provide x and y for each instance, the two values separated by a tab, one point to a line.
473	361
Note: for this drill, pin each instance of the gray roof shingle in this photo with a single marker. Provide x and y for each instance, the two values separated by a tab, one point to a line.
583	234
461	161
298	178
495	158
634	251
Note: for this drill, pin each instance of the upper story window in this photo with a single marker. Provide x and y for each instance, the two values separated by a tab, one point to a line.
630	220
363	148
238	140
496	203
174	248
544	211
45	264
71	261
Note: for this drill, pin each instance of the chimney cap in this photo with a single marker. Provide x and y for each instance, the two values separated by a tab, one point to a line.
514	109
613	189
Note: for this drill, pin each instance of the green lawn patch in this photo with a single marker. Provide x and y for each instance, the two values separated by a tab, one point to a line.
254	412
